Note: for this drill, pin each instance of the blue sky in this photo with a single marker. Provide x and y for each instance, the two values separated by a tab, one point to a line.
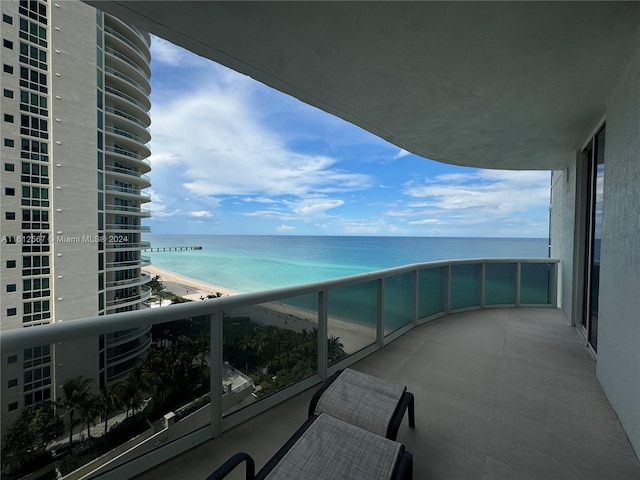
233	156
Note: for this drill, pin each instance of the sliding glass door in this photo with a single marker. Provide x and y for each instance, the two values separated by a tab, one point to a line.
593	156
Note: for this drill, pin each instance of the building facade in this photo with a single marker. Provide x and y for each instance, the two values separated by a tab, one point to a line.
75	110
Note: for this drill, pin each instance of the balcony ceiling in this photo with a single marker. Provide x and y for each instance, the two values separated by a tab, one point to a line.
514	85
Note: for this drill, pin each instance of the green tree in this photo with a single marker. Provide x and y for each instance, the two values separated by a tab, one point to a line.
111	399
335	349
133	389
89	409
75	391
36	427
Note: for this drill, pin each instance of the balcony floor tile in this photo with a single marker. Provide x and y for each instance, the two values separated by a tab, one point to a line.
500	394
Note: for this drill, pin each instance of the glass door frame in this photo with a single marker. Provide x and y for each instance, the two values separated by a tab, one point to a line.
588	251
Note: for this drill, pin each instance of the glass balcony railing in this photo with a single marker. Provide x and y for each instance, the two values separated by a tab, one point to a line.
126	115
214	364
131	191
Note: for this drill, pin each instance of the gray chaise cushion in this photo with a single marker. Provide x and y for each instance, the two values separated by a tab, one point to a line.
361	400
332	449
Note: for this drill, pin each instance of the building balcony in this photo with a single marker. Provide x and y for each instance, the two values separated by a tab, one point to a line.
141	38
504	386
129	282
128	174
144	106
128	246
127	45
119	302
143	261
126	84
126	65
130	139
133	123
132	211
126	191
116	227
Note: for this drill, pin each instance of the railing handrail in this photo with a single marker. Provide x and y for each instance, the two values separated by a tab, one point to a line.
120	226
115	33
127	78
119	131
132	191
127	153
126	60
126	115
128	98
17	339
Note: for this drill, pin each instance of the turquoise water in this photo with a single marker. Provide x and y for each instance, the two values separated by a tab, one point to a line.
251	263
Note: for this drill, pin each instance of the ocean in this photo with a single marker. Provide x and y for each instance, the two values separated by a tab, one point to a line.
249	263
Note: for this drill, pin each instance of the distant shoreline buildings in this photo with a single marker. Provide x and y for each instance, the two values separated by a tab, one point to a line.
75	117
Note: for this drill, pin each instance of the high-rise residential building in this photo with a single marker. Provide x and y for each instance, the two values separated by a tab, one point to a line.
75	117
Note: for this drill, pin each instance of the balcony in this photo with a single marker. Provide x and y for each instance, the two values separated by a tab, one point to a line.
145	294
117	227
501	391
129	282
133	211
143	261
504	393
128	191
134	122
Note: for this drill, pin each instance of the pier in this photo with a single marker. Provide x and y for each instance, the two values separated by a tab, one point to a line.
169	249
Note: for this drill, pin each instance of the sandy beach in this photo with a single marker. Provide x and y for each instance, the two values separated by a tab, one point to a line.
354	336
187	287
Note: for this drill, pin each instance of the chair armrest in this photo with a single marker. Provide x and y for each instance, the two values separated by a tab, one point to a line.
231	464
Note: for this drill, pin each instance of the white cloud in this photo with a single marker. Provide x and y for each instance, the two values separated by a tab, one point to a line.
402	153
314	206
260	200
158	207
215	136
285	228
489	202
200	214
169	54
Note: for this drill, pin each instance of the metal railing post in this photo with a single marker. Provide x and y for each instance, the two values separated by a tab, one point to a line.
215	365
483	276
447	289
323	333
380	314
518	282
415	294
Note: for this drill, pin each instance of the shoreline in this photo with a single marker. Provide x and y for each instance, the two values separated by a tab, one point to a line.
187	287
353	335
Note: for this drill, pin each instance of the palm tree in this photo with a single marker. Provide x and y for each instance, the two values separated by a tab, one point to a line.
110	400
75	391
89	408
134	387
335	349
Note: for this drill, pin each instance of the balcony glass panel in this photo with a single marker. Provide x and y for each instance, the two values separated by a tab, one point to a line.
113	386
465	285
432	291
398	301
535	283
500	284
352	318
268	347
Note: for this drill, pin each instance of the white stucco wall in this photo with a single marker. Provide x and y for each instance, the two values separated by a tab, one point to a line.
74	180
618	366
562	221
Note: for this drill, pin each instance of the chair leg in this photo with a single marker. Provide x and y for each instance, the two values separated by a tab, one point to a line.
412	414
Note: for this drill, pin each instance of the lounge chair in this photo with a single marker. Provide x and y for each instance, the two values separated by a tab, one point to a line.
325	448
365	401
